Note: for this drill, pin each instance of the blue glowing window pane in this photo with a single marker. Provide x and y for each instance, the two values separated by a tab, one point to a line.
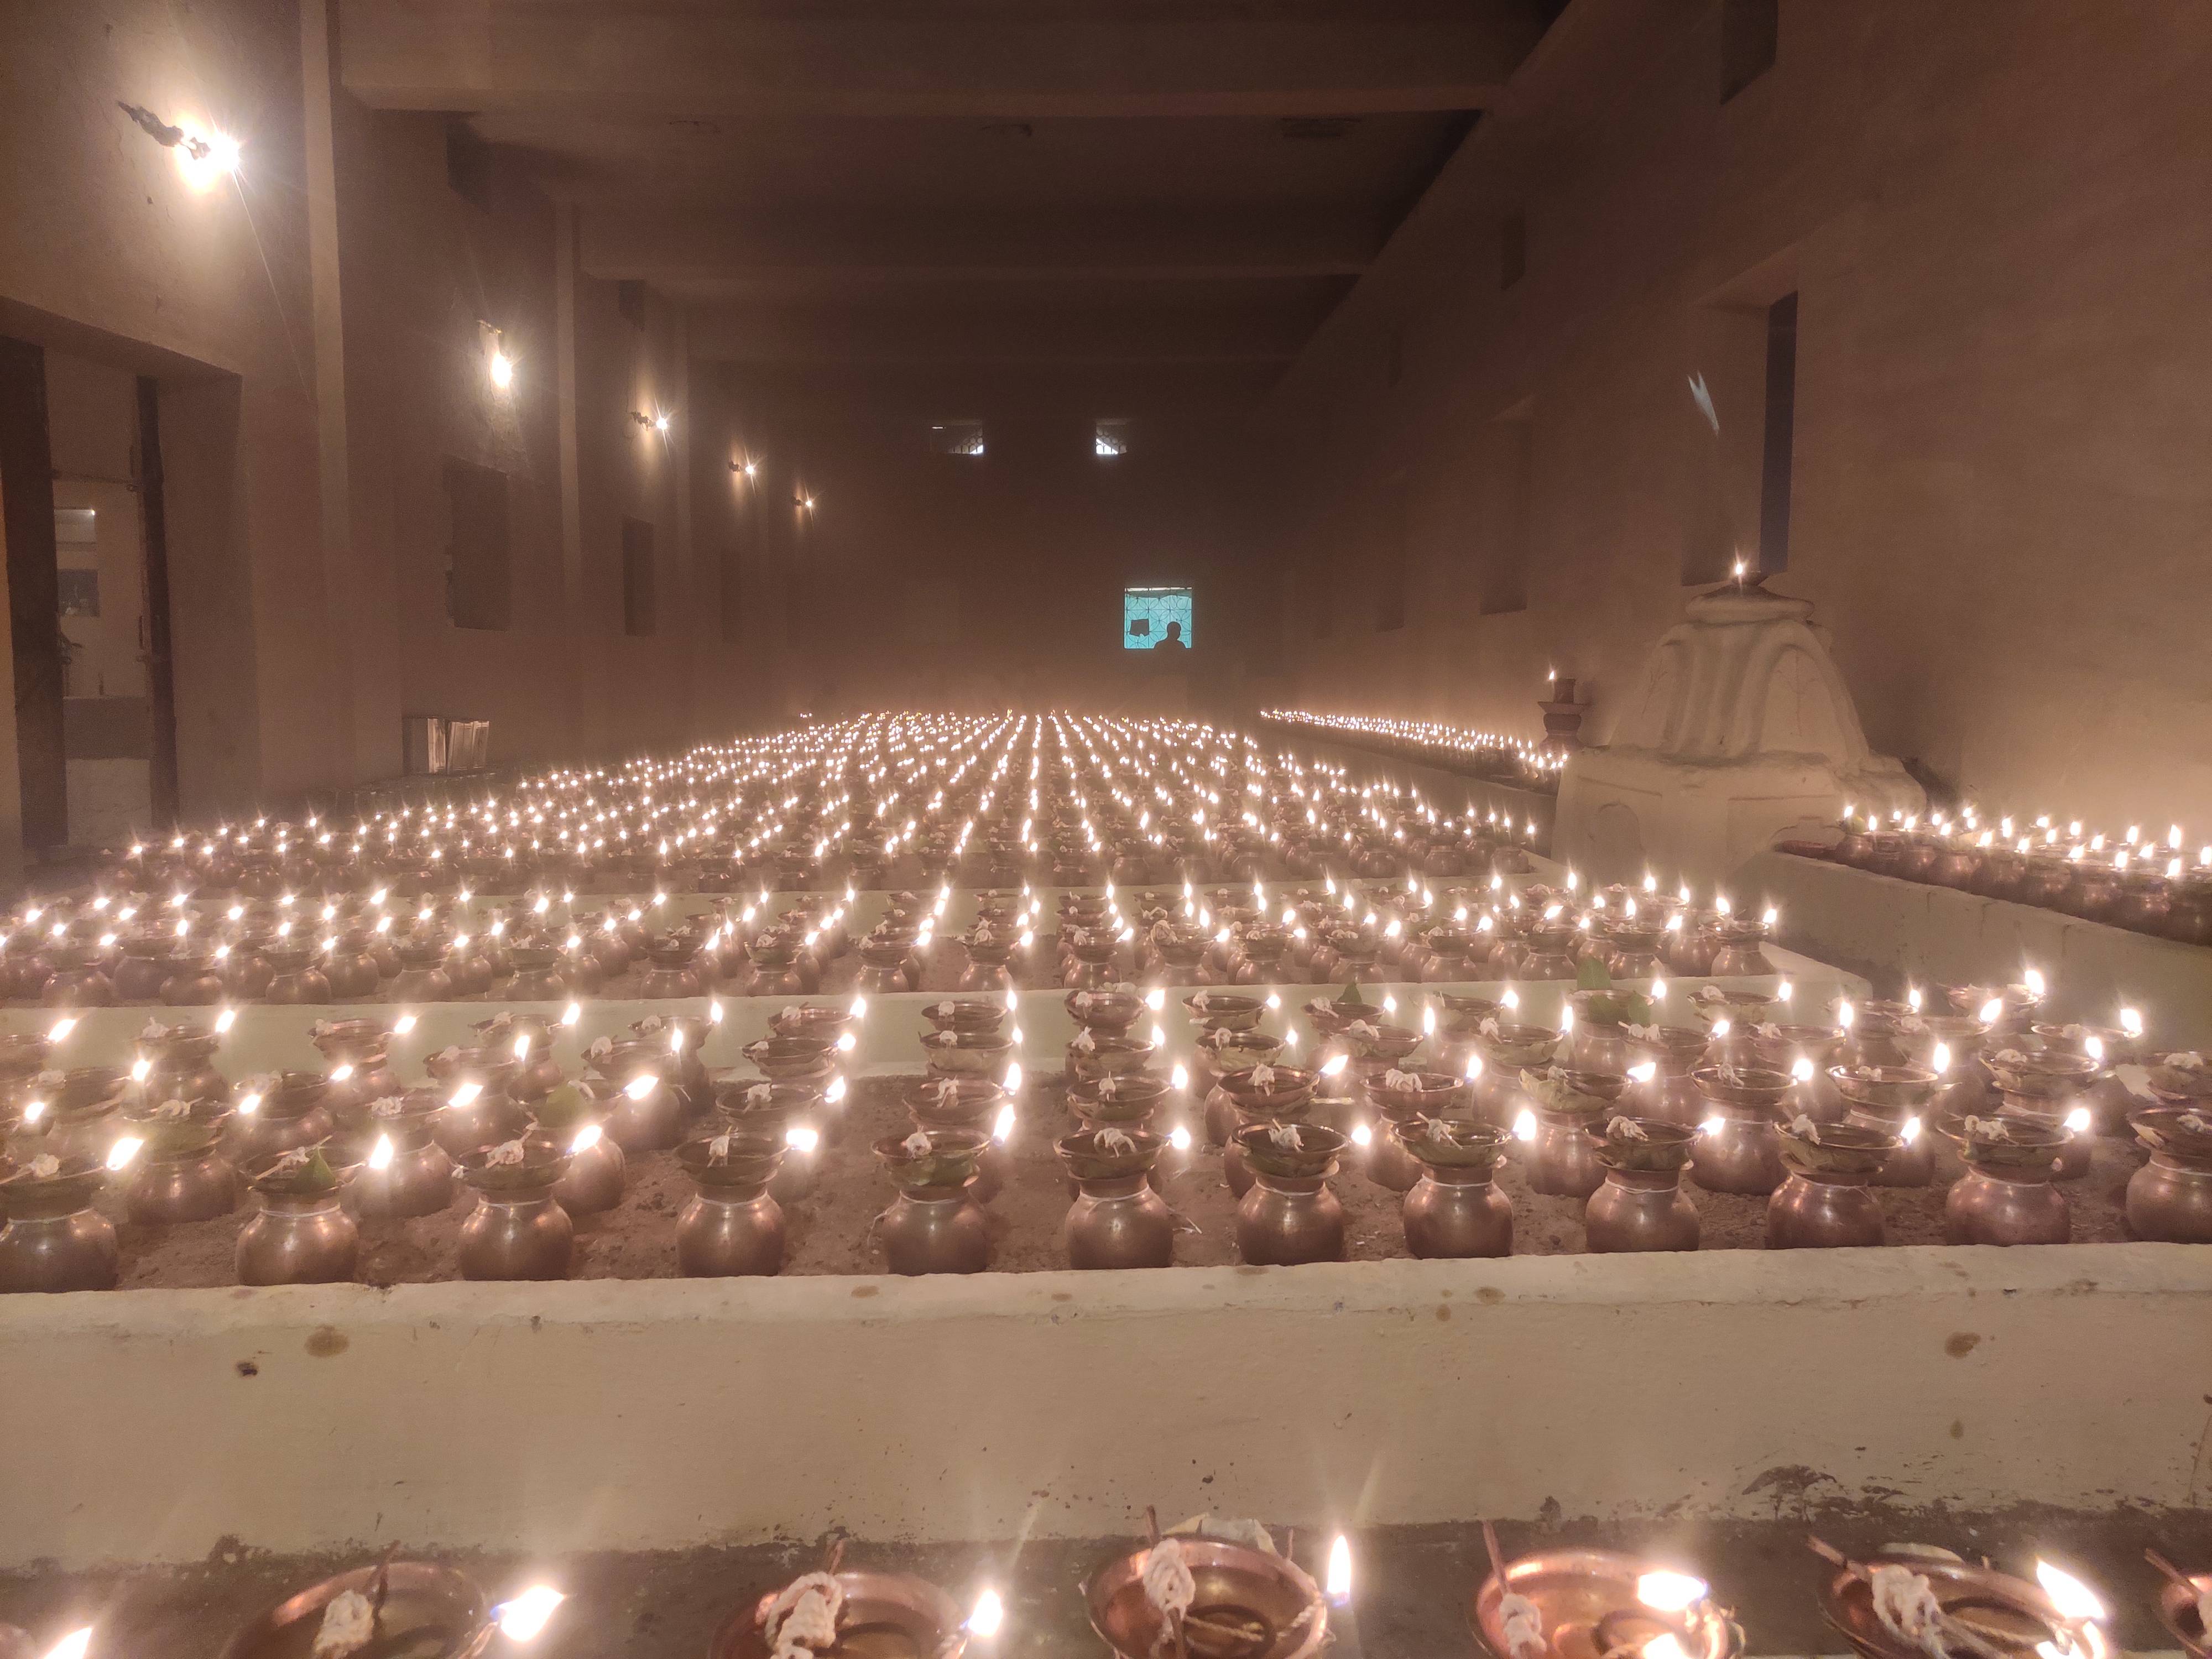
1156	617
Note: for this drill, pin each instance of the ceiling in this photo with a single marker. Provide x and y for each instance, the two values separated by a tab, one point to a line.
977	199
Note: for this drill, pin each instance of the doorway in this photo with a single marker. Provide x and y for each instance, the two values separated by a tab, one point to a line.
80	468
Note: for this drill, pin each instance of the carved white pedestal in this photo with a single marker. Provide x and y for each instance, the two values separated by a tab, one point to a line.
1742	732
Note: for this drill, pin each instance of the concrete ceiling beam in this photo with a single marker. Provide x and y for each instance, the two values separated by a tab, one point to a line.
690	241
986	63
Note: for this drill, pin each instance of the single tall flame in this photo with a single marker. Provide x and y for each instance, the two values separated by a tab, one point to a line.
1002	1129
380	1155
989	1614
1338	1584
802	1138
123	1152
641	1085
71	1646
1524	1126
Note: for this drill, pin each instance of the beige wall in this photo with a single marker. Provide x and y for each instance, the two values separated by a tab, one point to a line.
1993	213
302	637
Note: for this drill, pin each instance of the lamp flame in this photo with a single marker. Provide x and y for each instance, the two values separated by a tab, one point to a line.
1179	1079
123	1152
2073	1599
641	1085
380	1155
1179	1138
1992	1011
1338	1584
1524	1126
586	1138
72	1646
1669	1592
521	1619
1335	1063
800	1138
990	1612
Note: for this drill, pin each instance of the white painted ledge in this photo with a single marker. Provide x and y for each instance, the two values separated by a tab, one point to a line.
657	1414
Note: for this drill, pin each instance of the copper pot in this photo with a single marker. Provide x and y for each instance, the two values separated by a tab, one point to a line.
1117	1220
1455	1210
286	1112
181	1175
1641	1210
1289	1215
733	1227
1737	1149
54	1240
404	1171
2006	1196
934	1225
302	1235
517	1229
2169	1199
1825	1203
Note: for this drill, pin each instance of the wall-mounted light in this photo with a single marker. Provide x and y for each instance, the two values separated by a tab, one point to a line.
750	468
658	422
497	364
204	157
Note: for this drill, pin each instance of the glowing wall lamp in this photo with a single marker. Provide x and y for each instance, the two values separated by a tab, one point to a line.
658	420
497	364
204	157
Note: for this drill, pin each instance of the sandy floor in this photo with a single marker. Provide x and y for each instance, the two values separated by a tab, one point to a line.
1412	1585
829	1233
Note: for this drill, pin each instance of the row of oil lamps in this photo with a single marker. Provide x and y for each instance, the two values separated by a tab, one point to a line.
1527	762
2130	881
1606	1108
1213	1588
1158	802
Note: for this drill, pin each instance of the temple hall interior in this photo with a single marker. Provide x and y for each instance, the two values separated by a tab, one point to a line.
1106	829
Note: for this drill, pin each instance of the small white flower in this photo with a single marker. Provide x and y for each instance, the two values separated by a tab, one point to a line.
509	1151
1287	1135
915	1144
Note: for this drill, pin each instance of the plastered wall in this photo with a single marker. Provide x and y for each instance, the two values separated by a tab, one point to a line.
1992	213
302	367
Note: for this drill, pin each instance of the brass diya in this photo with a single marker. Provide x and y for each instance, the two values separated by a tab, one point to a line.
2182	1599
1587	1604
2012	1617
1225	1011
426	1612
886	1615
1248	1604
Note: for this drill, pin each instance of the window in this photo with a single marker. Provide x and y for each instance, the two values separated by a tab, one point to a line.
637	579
1156	618
956	437
1781	430
1110	438
1749	29
478	592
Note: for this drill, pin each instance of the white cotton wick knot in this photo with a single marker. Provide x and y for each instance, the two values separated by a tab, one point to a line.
942	1010
154	1031
507	1152
1805	1129
1905	1604
1524	1626
1085	1042
1988	1128
1113	1140
1108	1087
1396	1080
2187	1061
172	1108
1263	1076
601	1047
295	1159
1080	1001
1167	1579
2196	1126
1489	1027
1360	1027
1769	1030
719	1148
760	1094
1435	1129
1287	1135
389	1106
948	1092
451	1052
348	1622
45	1167
916	1145
803	1617
1626	1128
1201	1002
